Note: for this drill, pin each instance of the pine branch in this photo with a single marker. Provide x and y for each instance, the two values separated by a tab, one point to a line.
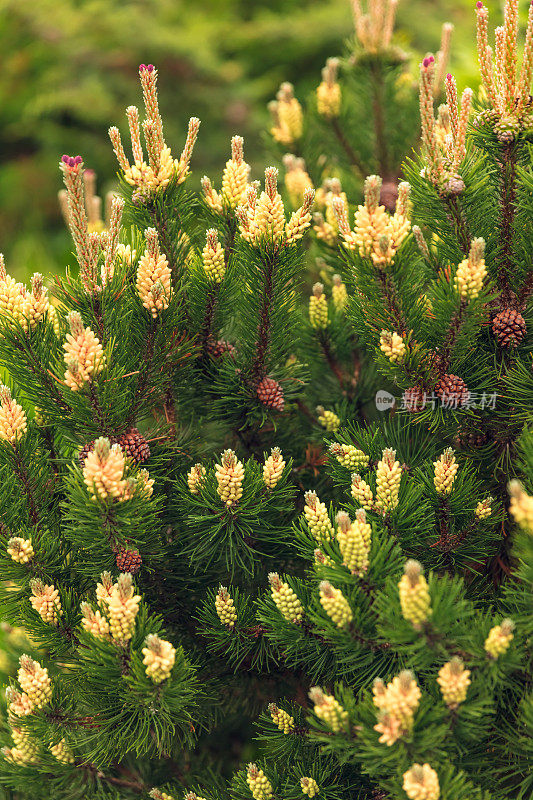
353	158
508	165
450	339
21	473
458	223
376	73
263	334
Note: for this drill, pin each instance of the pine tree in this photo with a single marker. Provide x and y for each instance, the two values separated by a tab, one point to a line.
188	550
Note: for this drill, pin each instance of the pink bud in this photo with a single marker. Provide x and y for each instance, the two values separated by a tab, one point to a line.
479	4
449	76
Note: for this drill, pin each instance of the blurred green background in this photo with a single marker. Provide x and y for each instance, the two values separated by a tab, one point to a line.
69	69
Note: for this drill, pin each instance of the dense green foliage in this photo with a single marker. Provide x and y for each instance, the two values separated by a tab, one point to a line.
246	578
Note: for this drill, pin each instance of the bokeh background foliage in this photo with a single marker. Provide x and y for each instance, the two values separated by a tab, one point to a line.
69	68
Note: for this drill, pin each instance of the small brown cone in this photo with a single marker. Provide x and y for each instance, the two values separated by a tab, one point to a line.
453	390
270	394
389	194
415	399
128	560
84	452
134	445
219	348
509	327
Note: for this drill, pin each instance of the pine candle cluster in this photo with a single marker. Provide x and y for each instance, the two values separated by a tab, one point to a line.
159	658
13	422
328	93
414	595
84	355
507	88
263	218
285	599
287	116
21	550
36	693
309	786
260	786
329	710
45	601
318	307
443	139
273	468
297	180
335	604
348	455
521	506
397	703
421	782
225	607
196	477
118	609
317	518
280	718
154	276
354	540
388	478
392	345
361	492
161	168
106	474
499	638
213	257
472	271
95	245
235	182
230	475
454	681
445	471
103	471
374	28
377	234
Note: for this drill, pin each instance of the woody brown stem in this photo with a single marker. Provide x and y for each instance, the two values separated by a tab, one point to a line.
142	382
209	317
458	224
332	362
379	120
170	410
257	371
443	513
353	158
454	327
507	215
167	242
20	471
392	301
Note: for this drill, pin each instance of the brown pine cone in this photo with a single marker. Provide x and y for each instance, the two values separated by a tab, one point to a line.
471	440
128	560
134	445
84	452
452	391
219	348
414	399
389	194
270	394
509	327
